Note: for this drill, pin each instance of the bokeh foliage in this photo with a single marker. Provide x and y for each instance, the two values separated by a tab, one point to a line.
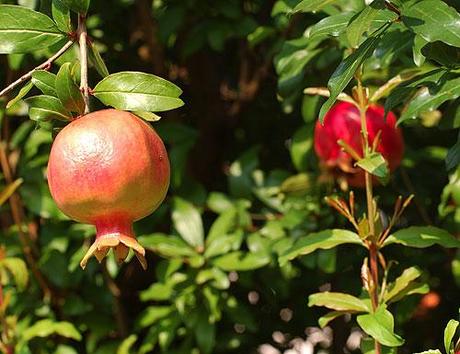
245	182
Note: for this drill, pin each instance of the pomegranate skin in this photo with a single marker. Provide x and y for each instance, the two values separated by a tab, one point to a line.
343	122
109	168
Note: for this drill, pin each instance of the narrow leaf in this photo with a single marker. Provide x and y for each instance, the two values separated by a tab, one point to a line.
44	108
429	99
22	93
449	334
380	326
321	240
362	22
46	328
240	261
126	345
312	5
187	221
61	15
347	68
375	164
97	61
338	302
134	91
167	246
324	320
6	193
329	26
148	116
68	91
79	6
423	236
402	282
17	267
45	82
433	20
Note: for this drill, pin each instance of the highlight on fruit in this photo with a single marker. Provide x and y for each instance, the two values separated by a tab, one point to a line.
109	168
342	122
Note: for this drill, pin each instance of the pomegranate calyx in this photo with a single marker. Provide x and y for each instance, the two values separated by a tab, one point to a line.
120	244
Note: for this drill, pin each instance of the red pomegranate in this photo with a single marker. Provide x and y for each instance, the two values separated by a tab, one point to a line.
343	122
109	168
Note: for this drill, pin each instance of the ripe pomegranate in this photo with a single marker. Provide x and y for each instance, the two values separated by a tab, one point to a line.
343	122
109	168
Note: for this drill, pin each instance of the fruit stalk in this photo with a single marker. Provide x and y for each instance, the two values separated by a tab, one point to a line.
83	42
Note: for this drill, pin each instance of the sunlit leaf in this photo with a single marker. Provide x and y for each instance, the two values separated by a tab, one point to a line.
23	30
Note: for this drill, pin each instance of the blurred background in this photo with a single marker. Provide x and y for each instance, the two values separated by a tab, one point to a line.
244	170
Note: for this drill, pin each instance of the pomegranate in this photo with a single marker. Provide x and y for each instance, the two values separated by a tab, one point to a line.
343	122
109	168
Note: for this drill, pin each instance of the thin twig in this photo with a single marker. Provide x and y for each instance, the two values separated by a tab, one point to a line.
323	91
44	66
83	42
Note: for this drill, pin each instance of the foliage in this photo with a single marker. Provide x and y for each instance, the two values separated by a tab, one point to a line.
245	235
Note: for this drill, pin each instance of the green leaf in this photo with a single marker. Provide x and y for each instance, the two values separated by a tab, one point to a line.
46	328
8	191
240	261
401	283
153	314
375	164
44	108
431	351
61	15
79	6
380	326
419	43
312	5
429	99
361	23
368	347
148	116
338	302
422	236
453	156
449	334
291	62
22	93
205	333
433	20
302	146
135	91
23	30
219	202
68	91
224	244
127	344
223	225
167	246
187	221
402	93
97	61
325	239
331	26
324	320
45	81
347	68
18	268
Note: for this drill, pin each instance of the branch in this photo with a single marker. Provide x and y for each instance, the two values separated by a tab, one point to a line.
44	66
83	41
322	91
